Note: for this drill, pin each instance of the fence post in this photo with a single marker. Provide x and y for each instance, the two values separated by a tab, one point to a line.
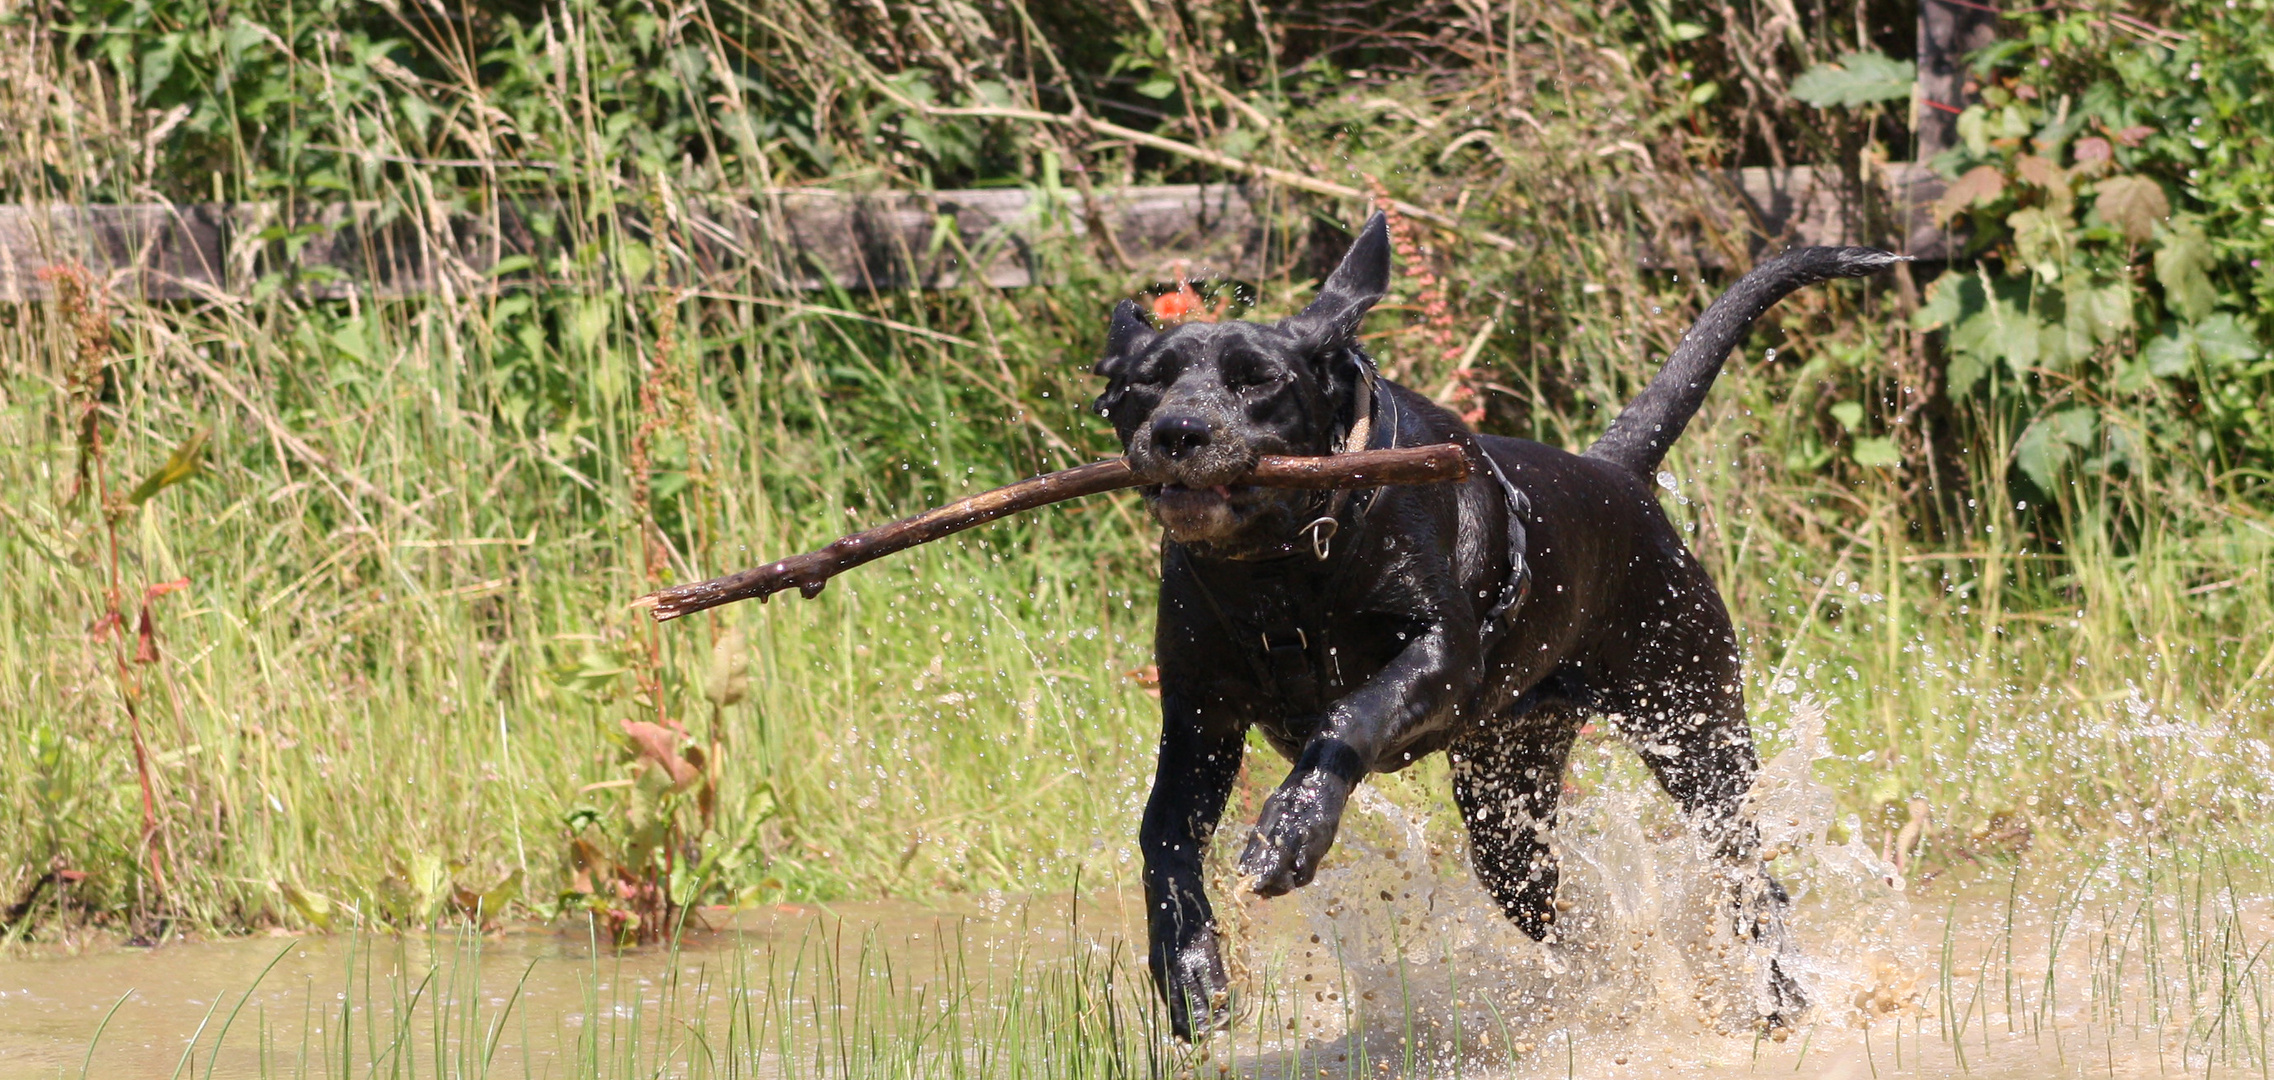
1948	30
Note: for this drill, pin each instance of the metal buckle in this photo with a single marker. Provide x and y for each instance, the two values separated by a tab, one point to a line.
1322	536
1301	638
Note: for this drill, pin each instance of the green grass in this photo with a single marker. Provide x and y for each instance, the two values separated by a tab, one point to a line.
343	690
404	655
366	705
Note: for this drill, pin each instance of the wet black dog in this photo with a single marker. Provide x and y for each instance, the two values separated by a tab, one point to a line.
1362	631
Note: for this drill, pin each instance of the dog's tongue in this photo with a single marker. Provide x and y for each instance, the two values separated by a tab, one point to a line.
1223	490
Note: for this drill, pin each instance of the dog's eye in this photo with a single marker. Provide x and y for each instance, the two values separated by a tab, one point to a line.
1252	379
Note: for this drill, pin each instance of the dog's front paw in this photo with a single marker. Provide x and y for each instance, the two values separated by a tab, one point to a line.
1198	991
1294	833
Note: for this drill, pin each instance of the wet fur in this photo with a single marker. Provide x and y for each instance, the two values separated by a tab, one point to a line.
1620	620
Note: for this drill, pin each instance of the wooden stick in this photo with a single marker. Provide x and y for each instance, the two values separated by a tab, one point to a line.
810	572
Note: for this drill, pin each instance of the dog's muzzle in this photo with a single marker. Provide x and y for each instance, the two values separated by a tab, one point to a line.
1194	466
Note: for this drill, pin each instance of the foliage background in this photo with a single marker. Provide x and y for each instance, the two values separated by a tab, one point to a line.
2009	523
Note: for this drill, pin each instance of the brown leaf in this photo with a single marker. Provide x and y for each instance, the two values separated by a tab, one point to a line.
2095	158
590	864
145	628
2041	172
2133	204
1980	184
2133	136
145	638
660	745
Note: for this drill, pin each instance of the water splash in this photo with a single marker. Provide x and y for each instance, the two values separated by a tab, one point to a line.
1396	952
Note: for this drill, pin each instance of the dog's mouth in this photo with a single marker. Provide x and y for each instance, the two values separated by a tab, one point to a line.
1214	514
1201	496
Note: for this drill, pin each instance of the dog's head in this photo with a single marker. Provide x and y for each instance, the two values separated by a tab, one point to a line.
1197	404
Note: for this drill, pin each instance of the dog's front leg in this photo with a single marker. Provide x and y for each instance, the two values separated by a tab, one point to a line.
1199	757
1415	690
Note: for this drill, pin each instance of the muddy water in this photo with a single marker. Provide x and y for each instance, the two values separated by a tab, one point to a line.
2129	962
272	1003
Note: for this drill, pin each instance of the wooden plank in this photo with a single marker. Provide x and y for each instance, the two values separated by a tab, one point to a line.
808	240
1770	209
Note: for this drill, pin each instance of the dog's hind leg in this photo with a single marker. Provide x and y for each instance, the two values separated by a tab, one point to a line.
1691	733
1507	777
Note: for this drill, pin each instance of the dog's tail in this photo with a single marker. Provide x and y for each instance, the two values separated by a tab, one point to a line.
1639	438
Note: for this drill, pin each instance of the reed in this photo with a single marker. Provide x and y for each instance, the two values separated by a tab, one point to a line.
396	686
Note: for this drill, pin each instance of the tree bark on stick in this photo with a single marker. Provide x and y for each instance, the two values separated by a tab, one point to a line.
810	572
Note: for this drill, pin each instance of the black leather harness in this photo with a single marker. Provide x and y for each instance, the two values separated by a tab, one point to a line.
1289	648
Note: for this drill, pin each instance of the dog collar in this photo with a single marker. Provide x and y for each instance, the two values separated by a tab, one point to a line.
1317	537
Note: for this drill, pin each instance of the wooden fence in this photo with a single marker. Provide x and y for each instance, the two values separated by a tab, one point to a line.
809	239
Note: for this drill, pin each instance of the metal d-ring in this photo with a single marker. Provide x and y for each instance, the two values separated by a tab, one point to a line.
1322	536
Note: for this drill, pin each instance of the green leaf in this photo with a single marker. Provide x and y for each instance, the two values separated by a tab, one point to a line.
1856	79
728	680
1848	413
588	324
2078	426
1980	325
158	63
1683	31
2046	448
990	92
2103	310
312	906
636	259
182	464
2183	266
1705	92
2169	354
2002	328
2041	238
2223	342
2063	343
1965	370
1946	302
498	897
352	338
1974	130
1876	453
1157	87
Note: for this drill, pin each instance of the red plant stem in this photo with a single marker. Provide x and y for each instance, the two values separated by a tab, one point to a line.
74	288
129	688
653	559
1436	312
655	910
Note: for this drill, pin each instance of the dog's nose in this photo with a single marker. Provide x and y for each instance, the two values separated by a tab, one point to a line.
1178	437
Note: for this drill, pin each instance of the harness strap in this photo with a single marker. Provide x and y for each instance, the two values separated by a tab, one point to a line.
1288	659
1264	675
1519	582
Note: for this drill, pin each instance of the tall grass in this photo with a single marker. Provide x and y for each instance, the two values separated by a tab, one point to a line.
398	676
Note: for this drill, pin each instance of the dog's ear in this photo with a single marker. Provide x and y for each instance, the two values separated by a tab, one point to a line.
1363	278
1124	341
1128	336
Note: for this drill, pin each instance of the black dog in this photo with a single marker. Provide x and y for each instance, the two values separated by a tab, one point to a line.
1359	632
